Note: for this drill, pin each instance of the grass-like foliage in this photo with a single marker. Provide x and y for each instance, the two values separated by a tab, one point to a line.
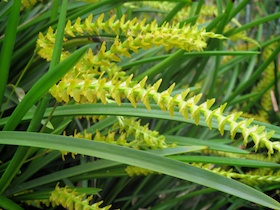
139	104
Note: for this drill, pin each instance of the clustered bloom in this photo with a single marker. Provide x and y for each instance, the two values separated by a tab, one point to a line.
98	78
70	199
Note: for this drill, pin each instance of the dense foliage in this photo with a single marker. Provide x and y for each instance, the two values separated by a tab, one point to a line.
139	104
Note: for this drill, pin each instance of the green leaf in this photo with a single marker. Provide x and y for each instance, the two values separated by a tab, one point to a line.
141	159
45	194
126	109
61	174
226	161
209	143
42	86
8	46
6	203
176	150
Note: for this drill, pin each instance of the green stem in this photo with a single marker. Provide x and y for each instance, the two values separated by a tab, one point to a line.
252	24
54	10
13	168
254	76
59	35
162	65
6	203
172	13
7	47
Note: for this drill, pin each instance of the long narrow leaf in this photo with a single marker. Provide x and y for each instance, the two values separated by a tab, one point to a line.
127	109
226	161
8	46
140	159
42	86
6	203
62	174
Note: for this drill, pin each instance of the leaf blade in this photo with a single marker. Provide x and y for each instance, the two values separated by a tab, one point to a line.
140	159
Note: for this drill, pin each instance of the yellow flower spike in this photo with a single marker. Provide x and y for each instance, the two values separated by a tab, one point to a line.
144	137
90	55
170	89
234	126
100	92
221	109
116	27
133	24
105	26
183	108
184	94
78	27
196	98
165	96
160	100
195	114
138	41
172	103
110	22
209	103
72	84
208	115
62	94
243	126
256	139
117	97
221	123
121	48
141	25
248	122
129	44
148	36
41	41
235	115
50	35
76	95
142	83
125	27
167	103
127	83
188	38
157	85
68	29
130	96
128	92
102	51
260	129
110	137
98	136
245	135
216	112
87	22
157	39
70	199
88	92
99	20
121	139
274	145
102	96
146	100
268	144
270	134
